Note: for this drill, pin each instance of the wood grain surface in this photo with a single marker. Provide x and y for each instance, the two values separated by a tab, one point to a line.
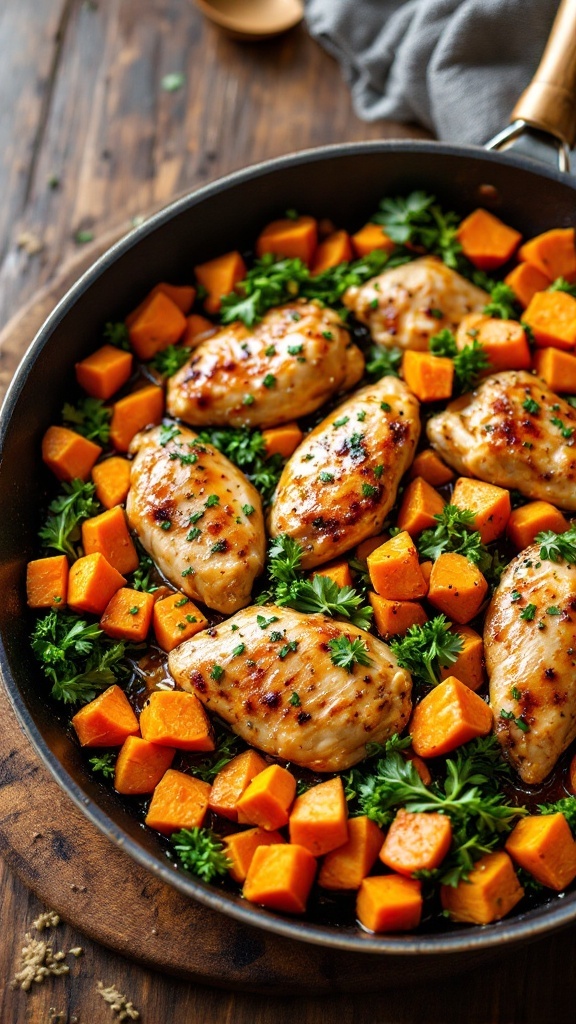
89	140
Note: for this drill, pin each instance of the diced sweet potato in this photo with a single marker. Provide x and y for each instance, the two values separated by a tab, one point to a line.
531	519
106	721
219	277
241	847
347	866
395	570
486	241
268	798
490	892
389	903
138	410
176	619
429	377
296	238
104	372
394	618
543	846
280	877
469	665
430	467
504	341
179	801
490	505
339	572
572	776
525	280
318	818
370	237
69	455
175	718
47	582
140	766
420	505
416	841
557	368
112	481
91	583
457	587
232	780
197	329
282	440
426	570
128	615
159	323
450	715
366	547
553	253
332	251
108	533
552	318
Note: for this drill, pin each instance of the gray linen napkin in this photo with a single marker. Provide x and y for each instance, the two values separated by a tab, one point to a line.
455	66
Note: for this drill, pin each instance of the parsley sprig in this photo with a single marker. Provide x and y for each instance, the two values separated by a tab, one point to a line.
228	745
169	360
347	653
455	532
90	417
61	531
558	547
468	794
562	285
469	361
289	586
426	649
246	448
76	657
419	220
201	852
383	362
566	806
503	303
105	765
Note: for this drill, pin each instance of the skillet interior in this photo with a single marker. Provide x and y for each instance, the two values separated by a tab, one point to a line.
342	183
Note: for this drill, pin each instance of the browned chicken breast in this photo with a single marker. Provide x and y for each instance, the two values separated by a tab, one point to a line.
405	306
272	678
531	662
288	366
198	517
341	482
514	432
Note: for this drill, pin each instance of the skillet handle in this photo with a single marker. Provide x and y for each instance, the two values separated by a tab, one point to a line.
549	102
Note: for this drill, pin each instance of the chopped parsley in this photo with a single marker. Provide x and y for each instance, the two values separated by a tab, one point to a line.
346	653
528	613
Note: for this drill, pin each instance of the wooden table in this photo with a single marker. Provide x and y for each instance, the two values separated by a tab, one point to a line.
89	140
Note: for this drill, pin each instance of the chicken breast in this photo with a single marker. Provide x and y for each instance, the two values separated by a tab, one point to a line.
514	432
272	678
405	306
338	487
288	366
530	646
197	516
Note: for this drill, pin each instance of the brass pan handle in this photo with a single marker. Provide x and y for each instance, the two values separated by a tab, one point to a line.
549	102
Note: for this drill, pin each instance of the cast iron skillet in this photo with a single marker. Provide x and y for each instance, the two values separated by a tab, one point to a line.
343	183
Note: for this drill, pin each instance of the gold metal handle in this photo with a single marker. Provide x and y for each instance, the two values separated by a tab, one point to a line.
549	102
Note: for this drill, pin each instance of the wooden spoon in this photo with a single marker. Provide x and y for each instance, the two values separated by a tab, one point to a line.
251	20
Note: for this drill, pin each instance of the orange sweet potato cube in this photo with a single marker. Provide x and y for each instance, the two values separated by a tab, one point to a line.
280	877
557	368
457	587
416	841
525	280
175	718
140	766
318	820
347	866
104	372
389	903
47	582
370	237
429	377
241	847
338	572
179	801
176	619
332	251
394	618
544	846
430	467
108	533
267	799
106	721
552	318
490	892
419	508
128	615
112	481
232	780
159	323
526	522
69	455
288	238
219	277
486	241
469	666
490	505
282	440
91	583
140	409
395	570
450	715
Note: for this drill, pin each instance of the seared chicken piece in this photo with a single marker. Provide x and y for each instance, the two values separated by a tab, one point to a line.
288	366
198	517
274	681
405	306
531	662
341	482
514	432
